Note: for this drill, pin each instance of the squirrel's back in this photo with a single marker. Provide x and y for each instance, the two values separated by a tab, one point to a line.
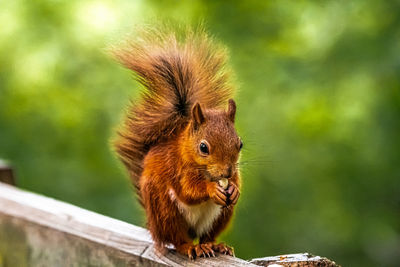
176	72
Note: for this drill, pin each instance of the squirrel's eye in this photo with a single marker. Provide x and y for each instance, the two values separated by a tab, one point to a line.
241	145
204	148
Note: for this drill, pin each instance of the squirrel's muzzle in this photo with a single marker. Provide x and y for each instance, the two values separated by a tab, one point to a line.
227	173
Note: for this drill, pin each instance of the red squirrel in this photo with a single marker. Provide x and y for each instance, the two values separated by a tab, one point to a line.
178	140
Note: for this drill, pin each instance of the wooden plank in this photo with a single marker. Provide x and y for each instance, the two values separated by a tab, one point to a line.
298	260
40	231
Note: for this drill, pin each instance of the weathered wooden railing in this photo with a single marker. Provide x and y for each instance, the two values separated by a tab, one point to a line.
40	231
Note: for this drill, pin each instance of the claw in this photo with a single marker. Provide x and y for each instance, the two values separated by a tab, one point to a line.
190	255
223	249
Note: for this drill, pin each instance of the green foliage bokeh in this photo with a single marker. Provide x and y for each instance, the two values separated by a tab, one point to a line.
318	110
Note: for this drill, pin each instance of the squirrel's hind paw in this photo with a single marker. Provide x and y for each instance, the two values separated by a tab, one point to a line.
224	249
196	251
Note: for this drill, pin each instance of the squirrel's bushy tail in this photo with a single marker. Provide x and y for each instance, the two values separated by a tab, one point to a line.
176	71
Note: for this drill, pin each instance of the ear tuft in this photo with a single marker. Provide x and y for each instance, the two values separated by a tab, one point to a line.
197	115
231	110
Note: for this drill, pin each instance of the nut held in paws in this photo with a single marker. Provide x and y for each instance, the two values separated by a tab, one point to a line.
223	183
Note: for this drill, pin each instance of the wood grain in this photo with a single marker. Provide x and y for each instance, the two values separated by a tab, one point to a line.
295	260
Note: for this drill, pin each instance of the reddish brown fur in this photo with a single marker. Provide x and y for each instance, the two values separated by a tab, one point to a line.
159	141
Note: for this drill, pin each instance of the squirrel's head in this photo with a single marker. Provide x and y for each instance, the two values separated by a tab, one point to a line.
213	142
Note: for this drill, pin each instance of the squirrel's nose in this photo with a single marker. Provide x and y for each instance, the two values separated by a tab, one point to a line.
227	173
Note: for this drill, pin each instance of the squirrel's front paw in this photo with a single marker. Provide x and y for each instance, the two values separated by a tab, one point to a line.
217	193
233	194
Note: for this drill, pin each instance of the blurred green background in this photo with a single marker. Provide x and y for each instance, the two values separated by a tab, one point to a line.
318	110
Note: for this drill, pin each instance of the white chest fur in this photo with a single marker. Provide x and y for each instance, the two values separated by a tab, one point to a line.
201	216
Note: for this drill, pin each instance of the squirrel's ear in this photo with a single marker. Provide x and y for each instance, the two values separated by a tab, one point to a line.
231	110
197	115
